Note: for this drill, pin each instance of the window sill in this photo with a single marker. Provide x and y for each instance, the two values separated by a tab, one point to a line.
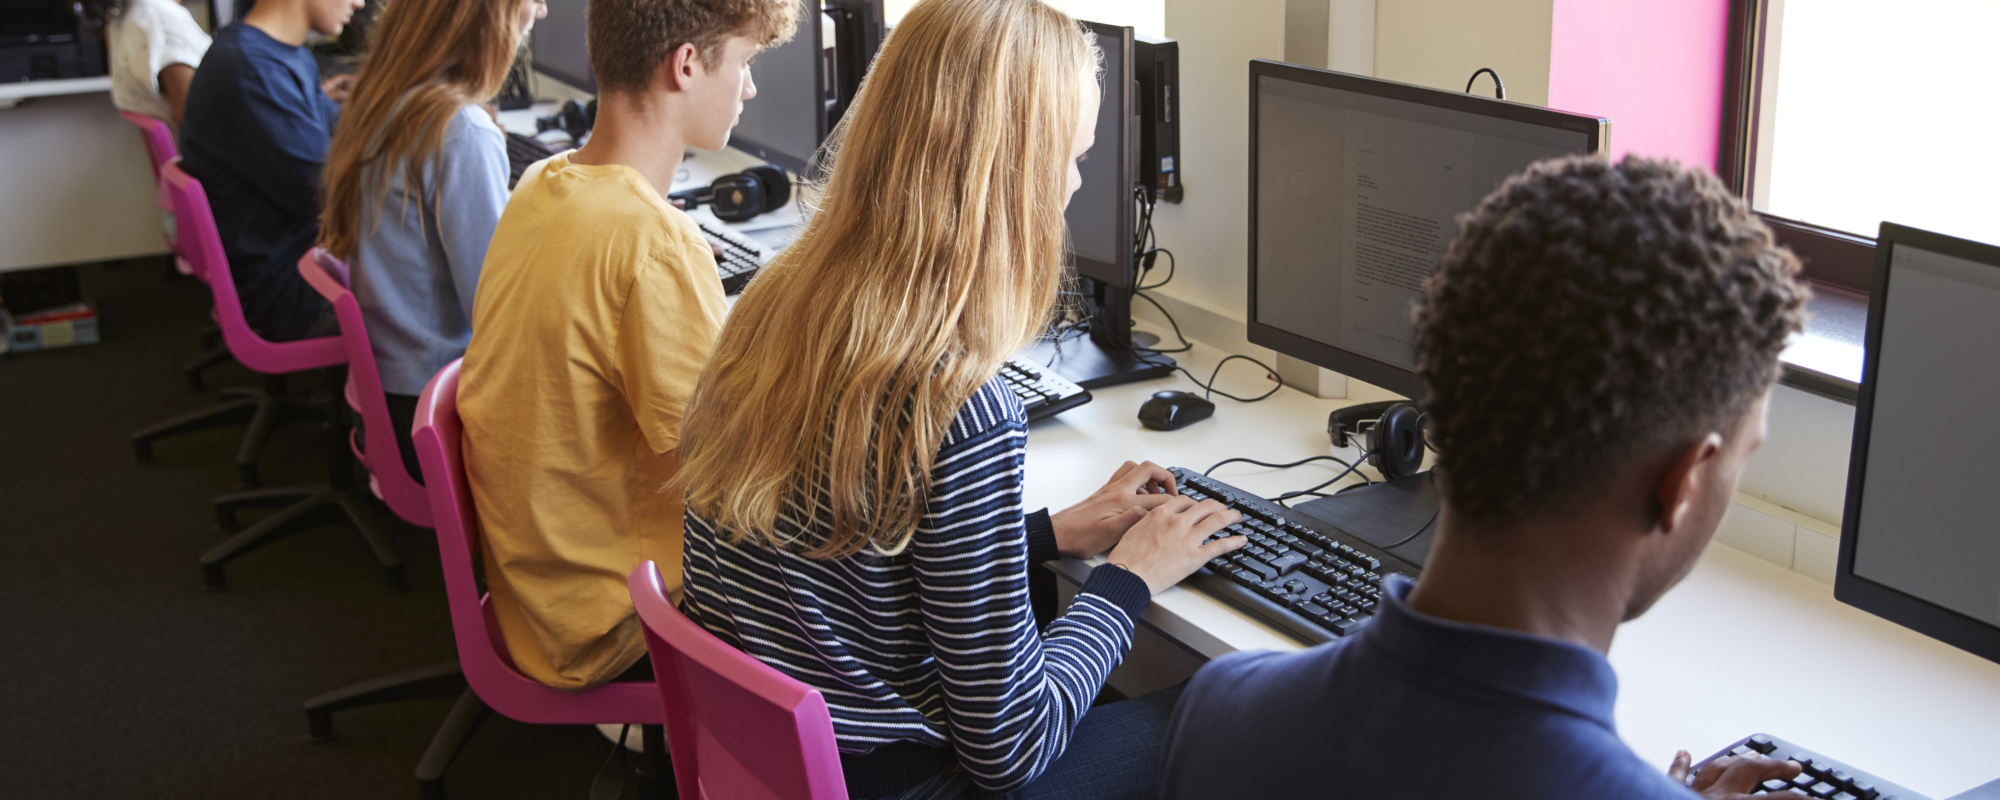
1826	359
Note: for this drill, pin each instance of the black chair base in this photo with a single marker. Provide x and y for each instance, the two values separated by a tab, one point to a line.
210	357
299	508
654	772
263	409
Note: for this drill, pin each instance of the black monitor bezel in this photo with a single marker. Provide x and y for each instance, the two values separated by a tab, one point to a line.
586	83
1945	625
797	163
1117	41
1355	365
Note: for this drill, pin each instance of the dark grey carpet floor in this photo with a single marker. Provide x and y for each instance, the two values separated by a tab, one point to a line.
121	677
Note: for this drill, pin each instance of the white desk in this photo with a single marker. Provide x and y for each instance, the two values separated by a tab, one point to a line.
1699	671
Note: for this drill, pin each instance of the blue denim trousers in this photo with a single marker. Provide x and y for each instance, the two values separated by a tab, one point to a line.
1113	755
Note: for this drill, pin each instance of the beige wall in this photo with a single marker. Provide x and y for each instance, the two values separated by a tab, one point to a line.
1439	43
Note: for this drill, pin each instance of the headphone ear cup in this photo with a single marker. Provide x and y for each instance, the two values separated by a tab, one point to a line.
777	186
574	120
737	197
1396	444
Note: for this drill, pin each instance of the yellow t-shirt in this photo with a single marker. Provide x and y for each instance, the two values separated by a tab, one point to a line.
598	306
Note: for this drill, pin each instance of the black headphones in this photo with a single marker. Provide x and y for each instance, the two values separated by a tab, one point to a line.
1395	443
741	196
574	118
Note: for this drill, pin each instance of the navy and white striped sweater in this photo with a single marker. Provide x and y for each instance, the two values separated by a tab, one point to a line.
936	645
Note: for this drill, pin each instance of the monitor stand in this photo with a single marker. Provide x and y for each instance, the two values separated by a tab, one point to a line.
1113	353
1086	363
1385	514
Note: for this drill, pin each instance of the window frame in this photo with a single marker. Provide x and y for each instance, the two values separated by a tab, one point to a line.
1833	257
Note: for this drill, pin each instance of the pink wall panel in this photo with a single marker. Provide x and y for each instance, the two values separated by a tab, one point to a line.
1655	67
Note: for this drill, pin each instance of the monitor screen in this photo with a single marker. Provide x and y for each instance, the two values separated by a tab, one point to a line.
785	123
559	47
1101	213
1356	187
1919	530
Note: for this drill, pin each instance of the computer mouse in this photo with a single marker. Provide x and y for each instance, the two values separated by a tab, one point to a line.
1172	411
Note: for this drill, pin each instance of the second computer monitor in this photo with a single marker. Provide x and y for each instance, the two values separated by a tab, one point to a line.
559	47
1103	213
1355	189
806	84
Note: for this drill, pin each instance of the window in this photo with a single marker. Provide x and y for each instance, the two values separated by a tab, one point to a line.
1850	112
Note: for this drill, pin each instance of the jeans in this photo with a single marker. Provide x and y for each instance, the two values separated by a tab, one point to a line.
1114	753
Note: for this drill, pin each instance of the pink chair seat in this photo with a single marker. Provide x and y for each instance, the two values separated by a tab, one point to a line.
387	477
737	728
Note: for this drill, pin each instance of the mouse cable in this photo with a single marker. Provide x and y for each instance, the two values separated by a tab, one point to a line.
1301	462
1209	387
1185	344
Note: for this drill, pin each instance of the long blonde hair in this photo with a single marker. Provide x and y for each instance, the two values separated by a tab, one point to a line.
937	252
429	58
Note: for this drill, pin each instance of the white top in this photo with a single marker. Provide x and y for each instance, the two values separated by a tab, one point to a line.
149	36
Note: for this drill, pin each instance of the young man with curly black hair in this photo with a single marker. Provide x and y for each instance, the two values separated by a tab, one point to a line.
1596	348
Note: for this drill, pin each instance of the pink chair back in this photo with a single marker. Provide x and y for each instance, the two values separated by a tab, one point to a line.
736	727
387	476
160	151
202	247
482	651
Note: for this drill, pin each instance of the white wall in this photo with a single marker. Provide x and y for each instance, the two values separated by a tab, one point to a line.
74	185
1439	43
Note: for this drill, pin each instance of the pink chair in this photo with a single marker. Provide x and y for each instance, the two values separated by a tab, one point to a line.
737	728
297	508
487	668
387	477
160	151
265	409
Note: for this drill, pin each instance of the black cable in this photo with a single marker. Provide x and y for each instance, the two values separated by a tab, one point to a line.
1185	344
1148	268
1343	473
1210	385
1427	525
1299	463
1499	89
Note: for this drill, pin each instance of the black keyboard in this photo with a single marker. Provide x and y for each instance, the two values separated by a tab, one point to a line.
523	151
738	257
1043	393
1821	777
1301	575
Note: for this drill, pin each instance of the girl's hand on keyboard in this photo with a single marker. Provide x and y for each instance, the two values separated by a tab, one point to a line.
1094	525
1167	545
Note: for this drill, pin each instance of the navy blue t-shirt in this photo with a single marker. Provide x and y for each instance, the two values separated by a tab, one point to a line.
1411	707
255	134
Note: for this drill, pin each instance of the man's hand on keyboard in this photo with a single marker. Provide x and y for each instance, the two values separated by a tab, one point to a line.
1733	777
1094	525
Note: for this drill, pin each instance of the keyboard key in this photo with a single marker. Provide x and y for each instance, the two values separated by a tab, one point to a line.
1741	750
1804	780
1345	626
1264	571
1286	562
1840	776
1762	744
1822	789
1863	789
1844	796
1312	610
1774	785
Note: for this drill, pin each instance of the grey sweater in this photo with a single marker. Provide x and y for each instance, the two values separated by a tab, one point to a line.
417	267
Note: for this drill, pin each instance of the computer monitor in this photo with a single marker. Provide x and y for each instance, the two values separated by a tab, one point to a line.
1356	185
1103	218
559	46
1918	543
806	84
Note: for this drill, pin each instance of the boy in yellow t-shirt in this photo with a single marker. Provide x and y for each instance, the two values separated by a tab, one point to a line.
597	307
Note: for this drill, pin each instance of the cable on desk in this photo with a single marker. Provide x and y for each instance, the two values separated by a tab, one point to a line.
1209	387
1426	526
1301	462
1280	499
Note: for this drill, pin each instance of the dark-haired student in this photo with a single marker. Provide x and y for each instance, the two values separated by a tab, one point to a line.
255	134
415	182
1596	347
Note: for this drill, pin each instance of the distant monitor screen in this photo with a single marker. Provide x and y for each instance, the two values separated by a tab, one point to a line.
786	121
1357	196
559	45
1095	232
1927	503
